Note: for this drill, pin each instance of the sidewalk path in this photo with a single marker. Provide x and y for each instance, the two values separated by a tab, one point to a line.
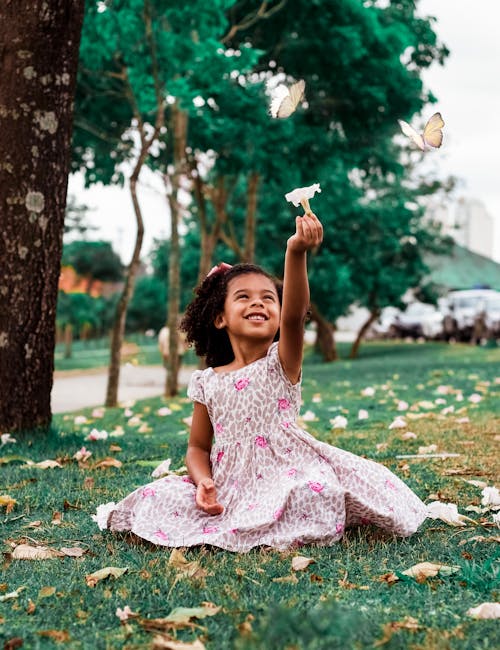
75	390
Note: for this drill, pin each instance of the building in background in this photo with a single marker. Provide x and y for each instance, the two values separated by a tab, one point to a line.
469	223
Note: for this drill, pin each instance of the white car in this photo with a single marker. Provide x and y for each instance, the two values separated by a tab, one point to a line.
492	315
461	308
419	319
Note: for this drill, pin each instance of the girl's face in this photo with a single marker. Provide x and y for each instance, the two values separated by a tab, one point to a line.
252	307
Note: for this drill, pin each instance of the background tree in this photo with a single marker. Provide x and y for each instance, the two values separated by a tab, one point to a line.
93	260
137	56
38	62
148	307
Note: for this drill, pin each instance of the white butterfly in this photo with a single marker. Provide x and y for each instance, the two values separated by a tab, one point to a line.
285	100
432	135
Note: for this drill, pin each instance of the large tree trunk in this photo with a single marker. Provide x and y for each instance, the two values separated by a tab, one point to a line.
325	336
179	124
38	62
364	328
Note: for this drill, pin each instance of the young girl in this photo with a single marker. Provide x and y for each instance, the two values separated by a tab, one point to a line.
256	478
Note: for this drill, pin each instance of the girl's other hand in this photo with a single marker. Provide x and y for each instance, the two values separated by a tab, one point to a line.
308	233
206	497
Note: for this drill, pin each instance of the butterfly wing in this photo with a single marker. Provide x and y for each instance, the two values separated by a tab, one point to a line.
412	134
292	99
433	135
286	107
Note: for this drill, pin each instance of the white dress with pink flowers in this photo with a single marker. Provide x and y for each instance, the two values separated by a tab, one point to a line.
279	486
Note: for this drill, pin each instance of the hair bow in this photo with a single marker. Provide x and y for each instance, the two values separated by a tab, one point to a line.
222	267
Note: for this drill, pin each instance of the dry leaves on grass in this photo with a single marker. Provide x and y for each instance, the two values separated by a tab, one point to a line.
300	562
425	570
107	462
28	552
485	610
12	594
284	579
59	636
93	578
185	568
409	623
167	643
180	617
44	464
7	502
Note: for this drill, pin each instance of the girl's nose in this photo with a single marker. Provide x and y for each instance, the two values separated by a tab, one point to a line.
258	301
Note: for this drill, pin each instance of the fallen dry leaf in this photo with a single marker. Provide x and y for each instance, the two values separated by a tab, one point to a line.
56	519
186	569
179	618
34	524
46	592
107	462
44	464
485	610
390	578
300	562
60	636
74	551
31	607
12	594
7	502
425	570
28	552
162	643
93	578
291	578
409	623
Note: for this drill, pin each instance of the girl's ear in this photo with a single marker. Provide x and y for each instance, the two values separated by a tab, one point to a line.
220	322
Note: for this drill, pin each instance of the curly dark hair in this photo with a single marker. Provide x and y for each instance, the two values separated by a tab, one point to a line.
198	321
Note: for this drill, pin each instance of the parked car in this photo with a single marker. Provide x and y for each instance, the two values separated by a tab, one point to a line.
492	315
462	309
418	319
381	328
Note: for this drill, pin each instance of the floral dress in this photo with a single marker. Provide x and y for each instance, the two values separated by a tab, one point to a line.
279	486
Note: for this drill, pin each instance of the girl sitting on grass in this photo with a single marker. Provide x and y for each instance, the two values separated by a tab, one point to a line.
256	478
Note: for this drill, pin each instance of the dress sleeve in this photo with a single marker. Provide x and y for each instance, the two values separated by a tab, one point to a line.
196	390
274	365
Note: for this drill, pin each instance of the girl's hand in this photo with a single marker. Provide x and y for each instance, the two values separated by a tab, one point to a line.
206	498
308	233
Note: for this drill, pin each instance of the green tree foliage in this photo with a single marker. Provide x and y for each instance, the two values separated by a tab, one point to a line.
148	307
93	260
362	64
86	315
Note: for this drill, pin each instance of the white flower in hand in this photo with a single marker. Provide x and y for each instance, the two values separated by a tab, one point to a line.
301	196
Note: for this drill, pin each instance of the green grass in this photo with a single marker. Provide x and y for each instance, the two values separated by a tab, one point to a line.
94	353
338	602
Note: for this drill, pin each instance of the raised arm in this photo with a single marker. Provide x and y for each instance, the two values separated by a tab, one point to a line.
308	234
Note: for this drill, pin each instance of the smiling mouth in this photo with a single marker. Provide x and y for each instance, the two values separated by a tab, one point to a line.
256	317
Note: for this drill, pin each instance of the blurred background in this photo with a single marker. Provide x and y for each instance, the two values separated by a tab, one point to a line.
173	135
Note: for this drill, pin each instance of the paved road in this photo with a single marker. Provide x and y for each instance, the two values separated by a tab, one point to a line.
73	390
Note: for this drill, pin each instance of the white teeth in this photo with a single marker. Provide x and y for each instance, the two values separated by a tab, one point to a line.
256	317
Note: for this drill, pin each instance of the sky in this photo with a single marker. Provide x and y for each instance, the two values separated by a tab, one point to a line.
468	91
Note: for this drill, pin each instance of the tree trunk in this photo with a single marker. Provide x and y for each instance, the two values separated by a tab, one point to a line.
179	129
364	328
38	63
118	331
251	217
325	337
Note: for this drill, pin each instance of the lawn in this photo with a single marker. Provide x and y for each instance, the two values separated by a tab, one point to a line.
354	595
